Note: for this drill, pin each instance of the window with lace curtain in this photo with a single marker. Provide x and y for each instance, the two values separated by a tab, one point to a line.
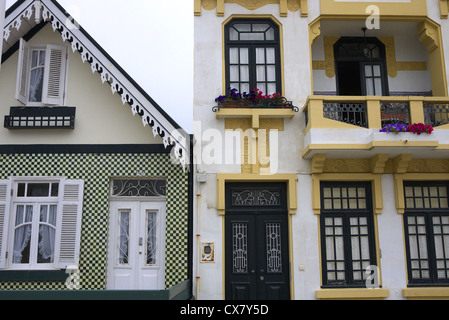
253	55
40	223
41	74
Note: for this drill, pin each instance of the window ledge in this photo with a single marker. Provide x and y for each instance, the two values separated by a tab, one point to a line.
353	294
426	293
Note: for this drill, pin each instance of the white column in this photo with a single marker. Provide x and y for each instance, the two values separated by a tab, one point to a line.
2	24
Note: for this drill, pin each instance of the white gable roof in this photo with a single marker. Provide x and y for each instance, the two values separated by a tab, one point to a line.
25	15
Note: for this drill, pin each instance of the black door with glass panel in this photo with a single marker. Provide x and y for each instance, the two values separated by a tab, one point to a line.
361	67
256	242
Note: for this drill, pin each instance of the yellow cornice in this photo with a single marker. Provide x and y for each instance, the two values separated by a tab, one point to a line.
284	6
415	8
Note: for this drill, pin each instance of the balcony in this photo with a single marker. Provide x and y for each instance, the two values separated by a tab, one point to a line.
350	126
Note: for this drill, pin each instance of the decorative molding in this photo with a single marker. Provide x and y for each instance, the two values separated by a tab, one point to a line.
444	8
429	35
284	6
401	163
317	163
378	163
259	136
47	11
393	66
329	63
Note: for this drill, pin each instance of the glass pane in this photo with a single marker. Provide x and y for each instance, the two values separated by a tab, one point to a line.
271	56
151	238
123	240
378	86
244	73
368	71
260	55
38	190
234	55
260	73
271	88
376	70
273	245
244	56
47	232
369	87
234	73
36	85
271	73
240	247
22	234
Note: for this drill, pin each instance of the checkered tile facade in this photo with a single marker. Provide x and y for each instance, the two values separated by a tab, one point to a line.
96	170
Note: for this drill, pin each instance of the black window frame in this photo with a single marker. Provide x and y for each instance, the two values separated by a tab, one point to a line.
362	61
251	45
346	215
428	214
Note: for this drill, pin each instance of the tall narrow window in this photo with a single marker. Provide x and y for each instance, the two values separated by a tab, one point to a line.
253	56
426	222
347	233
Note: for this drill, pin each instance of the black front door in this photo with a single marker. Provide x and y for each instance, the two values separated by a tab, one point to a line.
256	236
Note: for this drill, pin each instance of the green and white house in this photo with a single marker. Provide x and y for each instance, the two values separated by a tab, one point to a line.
94	175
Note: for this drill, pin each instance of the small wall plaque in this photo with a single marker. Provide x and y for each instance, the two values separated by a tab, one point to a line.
207	252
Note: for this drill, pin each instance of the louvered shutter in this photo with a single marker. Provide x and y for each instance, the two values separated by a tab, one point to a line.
5	202
68	236
54	75
22	72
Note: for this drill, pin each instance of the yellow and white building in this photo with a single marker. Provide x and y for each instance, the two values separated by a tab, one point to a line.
312	200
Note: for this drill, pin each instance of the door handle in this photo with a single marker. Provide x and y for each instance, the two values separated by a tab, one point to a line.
262	271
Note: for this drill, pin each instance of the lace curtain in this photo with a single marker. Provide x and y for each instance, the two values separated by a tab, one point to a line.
23	233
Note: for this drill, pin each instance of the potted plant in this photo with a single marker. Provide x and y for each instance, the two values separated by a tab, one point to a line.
416	128
255	98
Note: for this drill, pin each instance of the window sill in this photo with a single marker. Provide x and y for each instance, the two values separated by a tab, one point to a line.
33	275
352	294
434	293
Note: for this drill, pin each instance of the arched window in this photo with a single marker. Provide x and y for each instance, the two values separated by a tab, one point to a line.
253	55
361	67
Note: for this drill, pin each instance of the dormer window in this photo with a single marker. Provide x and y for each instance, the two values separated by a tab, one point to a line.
41	74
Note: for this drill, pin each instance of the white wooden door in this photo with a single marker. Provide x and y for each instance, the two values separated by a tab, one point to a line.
136	255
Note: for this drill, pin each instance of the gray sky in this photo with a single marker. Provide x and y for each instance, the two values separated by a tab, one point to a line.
152	40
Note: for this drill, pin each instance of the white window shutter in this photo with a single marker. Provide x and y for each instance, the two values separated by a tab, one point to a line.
5	202
22	72
68	235
54	75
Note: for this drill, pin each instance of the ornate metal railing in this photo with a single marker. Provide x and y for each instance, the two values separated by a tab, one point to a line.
436	114
375	112
352	113
395	112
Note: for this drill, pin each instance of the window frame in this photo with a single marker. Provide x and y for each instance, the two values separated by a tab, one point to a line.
54	80
251	45
346	215
69	202
362	62
428	214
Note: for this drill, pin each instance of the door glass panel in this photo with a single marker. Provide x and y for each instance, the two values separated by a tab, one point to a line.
123	241
240	247
151	238
274	252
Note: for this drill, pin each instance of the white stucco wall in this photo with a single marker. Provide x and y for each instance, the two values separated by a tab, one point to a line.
101	118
